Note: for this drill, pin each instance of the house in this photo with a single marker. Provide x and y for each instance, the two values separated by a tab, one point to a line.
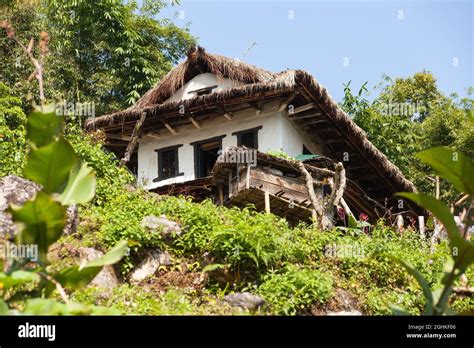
174	135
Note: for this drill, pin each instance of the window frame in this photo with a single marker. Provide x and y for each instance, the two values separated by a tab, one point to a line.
254	131
159	153
196	145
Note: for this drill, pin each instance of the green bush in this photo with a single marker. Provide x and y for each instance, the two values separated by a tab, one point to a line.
12	133
295	289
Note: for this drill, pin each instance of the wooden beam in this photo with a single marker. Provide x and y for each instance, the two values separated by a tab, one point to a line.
284	104
133	141
116	144
267	202
118	136
325	140
364	176
195	123
296	118
153	135
356	166
226	114
376	188
171	129
302	108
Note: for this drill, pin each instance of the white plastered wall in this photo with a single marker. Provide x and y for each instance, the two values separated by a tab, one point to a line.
277	132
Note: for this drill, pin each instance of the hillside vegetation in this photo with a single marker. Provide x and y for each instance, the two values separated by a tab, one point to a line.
109	54
225	250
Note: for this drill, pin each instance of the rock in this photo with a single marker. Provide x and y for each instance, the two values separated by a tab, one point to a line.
161	224
72	221
106	278
14	190
148	267
344	313
244	300
17	190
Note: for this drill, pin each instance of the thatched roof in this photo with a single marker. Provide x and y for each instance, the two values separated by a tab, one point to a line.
257	84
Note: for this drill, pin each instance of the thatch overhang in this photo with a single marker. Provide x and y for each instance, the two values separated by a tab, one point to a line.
315	113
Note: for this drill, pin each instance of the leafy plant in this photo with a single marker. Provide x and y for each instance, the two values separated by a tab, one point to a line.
65	180
295	289
458	169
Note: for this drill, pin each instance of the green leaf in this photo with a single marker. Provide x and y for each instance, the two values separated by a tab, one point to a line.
463	250
42	128
50	165
353	223
4	310
80	187
79	276
451	165
17	278
397	310
213	267
419	278
41	222
43	306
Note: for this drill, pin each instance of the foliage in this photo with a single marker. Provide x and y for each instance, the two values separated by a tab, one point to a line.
458	169
106	52
280	153
294	289
12	133
409	115
52	163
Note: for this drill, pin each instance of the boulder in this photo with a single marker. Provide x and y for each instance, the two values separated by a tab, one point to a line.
106	278
153	259
14	190
244	300
17	190
162	225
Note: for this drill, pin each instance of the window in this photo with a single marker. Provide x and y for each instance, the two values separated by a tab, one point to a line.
205	155
248	137
306	151
168	164
203	91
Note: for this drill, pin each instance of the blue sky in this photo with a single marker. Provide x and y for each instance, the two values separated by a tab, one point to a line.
397	38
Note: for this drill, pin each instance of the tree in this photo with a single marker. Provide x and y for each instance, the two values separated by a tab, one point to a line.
108	51
12	133
410	115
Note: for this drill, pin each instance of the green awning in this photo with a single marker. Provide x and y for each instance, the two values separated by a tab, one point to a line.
306	157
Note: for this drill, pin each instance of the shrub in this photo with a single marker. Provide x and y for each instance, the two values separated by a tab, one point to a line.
12	133
295	289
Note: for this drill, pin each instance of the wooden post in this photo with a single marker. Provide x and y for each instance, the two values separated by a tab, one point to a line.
400	223
247	179
230	183
238	176
267	202
421	223
133	140
220	190
437	187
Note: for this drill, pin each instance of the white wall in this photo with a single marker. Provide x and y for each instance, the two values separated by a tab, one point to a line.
292	139
269	138
277	132
201	81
